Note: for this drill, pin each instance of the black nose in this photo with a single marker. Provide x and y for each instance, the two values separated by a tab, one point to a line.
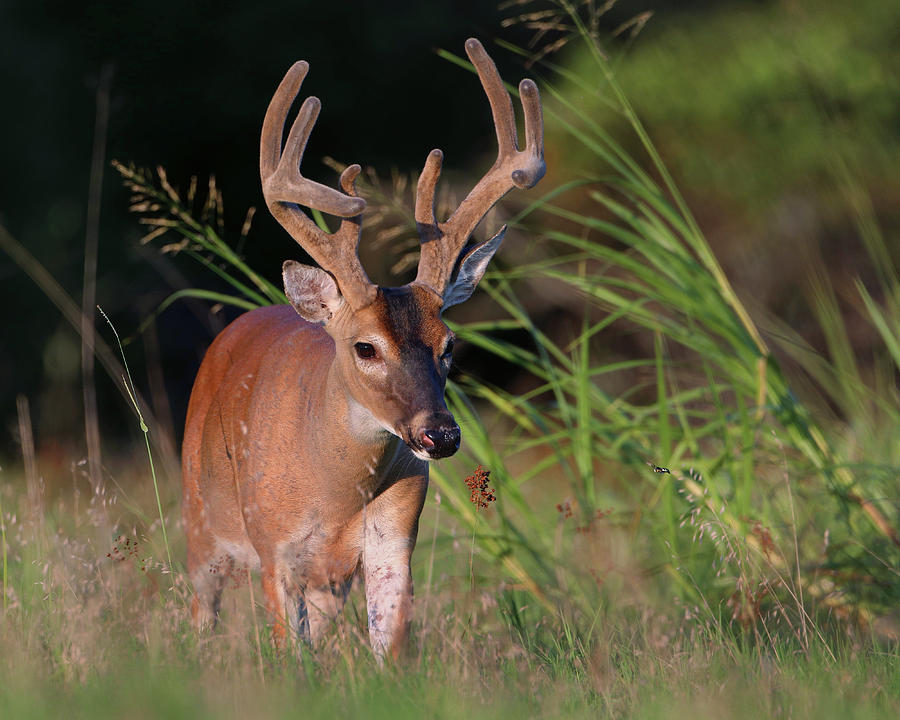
445	441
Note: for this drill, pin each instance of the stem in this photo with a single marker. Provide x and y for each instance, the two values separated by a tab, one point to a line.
472	553
262	674
132	395
3	540
89	287
162	520
437	515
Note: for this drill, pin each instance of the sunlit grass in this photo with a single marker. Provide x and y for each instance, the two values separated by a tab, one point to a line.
87	634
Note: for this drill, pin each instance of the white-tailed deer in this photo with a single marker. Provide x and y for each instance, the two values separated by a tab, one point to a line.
310	426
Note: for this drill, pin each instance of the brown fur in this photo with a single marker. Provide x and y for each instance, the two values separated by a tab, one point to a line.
272	451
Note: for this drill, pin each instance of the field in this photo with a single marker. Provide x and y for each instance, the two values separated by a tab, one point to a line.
86	635
696	504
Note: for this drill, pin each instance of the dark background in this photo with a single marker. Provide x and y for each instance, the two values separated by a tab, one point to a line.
190	83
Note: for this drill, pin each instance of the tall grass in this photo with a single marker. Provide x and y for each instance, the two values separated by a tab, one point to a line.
712	397
93	629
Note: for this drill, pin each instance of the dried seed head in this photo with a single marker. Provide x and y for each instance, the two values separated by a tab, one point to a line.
481	495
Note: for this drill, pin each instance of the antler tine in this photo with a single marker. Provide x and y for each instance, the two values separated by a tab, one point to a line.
442	243
285	189
273	123
426	223
529	176
501	103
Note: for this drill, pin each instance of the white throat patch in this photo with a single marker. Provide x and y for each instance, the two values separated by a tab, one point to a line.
363	425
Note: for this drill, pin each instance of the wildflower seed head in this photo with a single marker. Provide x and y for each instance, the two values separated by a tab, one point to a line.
480	494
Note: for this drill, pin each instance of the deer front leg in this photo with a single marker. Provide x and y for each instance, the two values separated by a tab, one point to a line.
390	524
389	590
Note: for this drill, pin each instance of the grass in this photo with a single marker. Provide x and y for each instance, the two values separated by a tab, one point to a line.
128	382
96	636
683	530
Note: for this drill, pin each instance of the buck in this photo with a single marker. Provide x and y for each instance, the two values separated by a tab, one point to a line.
311	425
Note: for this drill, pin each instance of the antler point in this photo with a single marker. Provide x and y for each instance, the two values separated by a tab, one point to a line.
299	68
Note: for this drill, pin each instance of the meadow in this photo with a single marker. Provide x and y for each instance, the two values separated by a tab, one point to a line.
696	511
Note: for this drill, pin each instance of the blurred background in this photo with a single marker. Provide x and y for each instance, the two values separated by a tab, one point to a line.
779	120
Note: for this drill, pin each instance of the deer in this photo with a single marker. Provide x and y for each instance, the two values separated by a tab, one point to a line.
310	426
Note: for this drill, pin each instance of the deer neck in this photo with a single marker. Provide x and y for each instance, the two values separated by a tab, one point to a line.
349	437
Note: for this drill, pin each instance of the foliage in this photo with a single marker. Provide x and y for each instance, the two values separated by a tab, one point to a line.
758	103
96	626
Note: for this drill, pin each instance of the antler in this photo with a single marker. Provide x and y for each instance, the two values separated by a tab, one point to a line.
442	242
284	189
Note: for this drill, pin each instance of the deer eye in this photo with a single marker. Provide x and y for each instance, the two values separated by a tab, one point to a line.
448	350
366	351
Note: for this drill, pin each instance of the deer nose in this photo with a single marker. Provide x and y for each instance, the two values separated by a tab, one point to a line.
441	442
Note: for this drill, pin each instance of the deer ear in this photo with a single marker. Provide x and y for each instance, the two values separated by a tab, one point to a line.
471	270
313	292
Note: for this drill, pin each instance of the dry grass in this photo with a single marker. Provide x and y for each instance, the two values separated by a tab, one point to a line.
96	623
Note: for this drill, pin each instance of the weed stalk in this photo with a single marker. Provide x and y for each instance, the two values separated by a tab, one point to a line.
128	382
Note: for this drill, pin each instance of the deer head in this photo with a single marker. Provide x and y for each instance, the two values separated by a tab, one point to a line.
391	346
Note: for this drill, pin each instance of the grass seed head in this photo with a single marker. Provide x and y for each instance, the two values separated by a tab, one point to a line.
481	495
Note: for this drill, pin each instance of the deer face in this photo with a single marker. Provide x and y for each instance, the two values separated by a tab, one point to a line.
393	356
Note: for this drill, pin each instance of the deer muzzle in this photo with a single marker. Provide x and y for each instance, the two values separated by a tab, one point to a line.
439	439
